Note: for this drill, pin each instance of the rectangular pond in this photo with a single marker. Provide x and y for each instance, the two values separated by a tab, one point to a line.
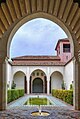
38	101
29	101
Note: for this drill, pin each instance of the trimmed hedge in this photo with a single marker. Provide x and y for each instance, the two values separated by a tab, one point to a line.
14	94
65	95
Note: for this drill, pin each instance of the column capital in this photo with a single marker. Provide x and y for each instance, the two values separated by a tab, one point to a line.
48	78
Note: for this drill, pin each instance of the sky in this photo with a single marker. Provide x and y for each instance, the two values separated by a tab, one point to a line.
36	37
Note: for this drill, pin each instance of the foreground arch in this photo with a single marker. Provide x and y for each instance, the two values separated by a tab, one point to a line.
14	13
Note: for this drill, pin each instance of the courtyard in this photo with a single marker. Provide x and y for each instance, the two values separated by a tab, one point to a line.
20	103
61	110
15	13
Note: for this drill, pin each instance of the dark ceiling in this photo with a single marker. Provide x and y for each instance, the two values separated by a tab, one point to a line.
73	0
77	1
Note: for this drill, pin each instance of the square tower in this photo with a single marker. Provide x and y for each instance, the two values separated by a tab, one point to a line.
63	49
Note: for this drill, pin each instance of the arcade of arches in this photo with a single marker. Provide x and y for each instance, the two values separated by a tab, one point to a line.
15	13
38	81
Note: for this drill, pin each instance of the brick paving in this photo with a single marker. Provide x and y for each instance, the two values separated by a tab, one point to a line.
55	113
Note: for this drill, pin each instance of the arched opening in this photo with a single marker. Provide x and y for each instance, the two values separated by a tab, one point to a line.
43	42
20	81
40	16
33	84
37	85
56	84
69	21
72	50
56	80
38	78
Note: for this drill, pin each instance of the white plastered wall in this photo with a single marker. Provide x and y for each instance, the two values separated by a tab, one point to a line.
48	70
69	74
56	80
19	80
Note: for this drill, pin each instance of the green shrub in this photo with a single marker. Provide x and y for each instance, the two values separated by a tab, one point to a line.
14	94
13	85
9	96
71	87
21	92
63	86
65	95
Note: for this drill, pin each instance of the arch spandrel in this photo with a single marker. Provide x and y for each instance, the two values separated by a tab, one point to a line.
41	70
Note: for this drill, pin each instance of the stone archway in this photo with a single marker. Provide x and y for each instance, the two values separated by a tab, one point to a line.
14	13
38	78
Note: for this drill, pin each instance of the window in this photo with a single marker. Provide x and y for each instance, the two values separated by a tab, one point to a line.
66	47
37	73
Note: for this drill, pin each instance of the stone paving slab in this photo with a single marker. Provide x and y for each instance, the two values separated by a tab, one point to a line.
55	113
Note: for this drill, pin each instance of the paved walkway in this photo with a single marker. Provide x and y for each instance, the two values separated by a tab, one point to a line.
16	110
55	113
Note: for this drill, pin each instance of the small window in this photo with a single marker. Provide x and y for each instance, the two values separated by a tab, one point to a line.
66	47
37	73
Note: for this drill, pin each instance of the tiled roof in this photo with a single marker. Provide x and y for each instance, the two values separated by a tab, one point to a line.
37	61
37	57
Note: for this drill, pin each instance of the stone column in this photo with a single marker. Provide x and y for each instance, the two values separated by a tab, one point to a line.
48	88
3	86
77	85
48	80
28	81
28	86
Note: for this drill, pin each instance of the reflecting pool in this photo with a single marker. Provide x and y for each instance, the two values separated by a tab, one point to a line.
38	101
